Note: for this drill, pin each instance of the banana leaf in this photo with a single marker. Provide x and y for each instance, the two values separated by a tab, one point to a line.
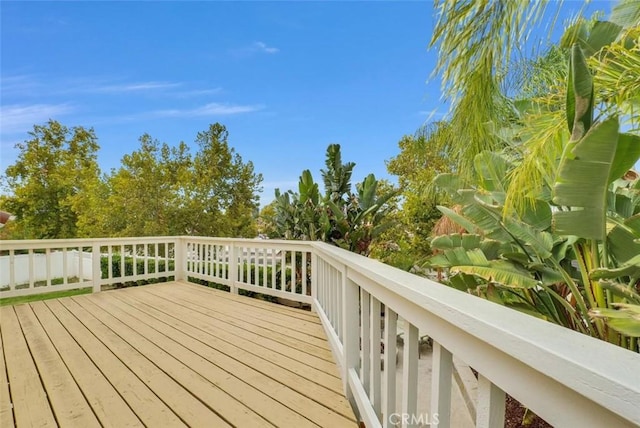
457	218
622	239
579	94
501	272
487	219
583	180
456	257
447	182
491	168
466	241
621	290
625	320
463	282
540	242
602	34
629	268
537	214
627	154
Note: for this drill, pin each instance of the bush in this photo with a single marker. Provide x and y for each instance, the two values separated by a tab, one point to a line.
140	270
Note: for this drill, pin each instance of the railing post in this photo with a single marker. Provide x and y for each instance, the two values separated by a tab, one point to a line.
390	340
351	330
233	268
442	363
410	373
179	259
96	270
491	404
314	276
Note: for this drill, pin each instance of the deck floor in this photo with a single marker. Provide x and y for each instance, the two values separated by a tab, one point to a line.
164	355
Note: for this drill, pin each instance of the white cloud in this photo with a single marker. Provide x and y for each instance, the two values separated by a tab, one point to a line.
211	109
20	85
135	87
20	118
262	47
198	92
254	49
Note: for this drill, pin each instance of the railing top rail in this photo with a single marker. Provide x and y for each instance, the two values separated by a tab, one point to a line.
270	242
25	244
600	371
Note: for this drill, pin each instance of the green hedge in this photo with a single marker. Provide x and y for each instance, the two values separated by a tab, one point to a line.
140	270
259	271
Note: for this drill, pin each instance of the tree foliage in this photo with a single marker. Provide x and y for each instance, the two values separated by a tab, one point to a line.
417	164
56	167
56	191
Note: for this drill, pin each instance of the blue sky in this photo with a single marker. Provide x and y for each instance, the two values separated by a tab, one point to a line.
286	78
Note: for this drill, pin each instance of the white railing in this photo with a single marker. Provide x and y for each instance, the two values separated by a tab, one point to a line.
42	266
566	378
275	268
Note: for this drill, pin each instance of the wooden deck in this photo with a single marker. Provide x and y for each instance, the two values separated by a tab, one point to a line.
164	355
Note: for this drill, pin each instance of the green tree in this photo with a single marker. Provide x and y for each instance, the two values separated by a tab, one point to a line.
55	170
420	160
163	190
223	189
266	222
140	195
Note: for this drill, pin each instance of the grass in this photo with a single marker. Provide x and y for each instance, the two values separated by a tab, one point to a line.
44	296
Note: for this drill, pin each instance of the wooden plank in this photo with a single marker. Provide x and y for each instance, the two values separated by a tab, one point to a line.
293	360
318	348
293	312
231	358
320	358
245	314
144	403
30	405
105	401
68	404
310	330
158	350
191	411
6	408
288	312
271	398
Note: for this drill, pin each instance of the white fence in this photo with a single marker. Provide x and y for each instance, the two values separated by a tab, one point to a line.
59	261
567	378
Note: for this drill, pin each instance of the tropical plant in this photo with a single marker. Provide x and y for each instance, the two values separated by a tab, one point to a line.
551	216
572	255
345	218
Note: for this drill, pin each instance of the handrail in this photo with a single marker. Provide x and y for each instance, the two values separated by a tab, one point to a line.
567	378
